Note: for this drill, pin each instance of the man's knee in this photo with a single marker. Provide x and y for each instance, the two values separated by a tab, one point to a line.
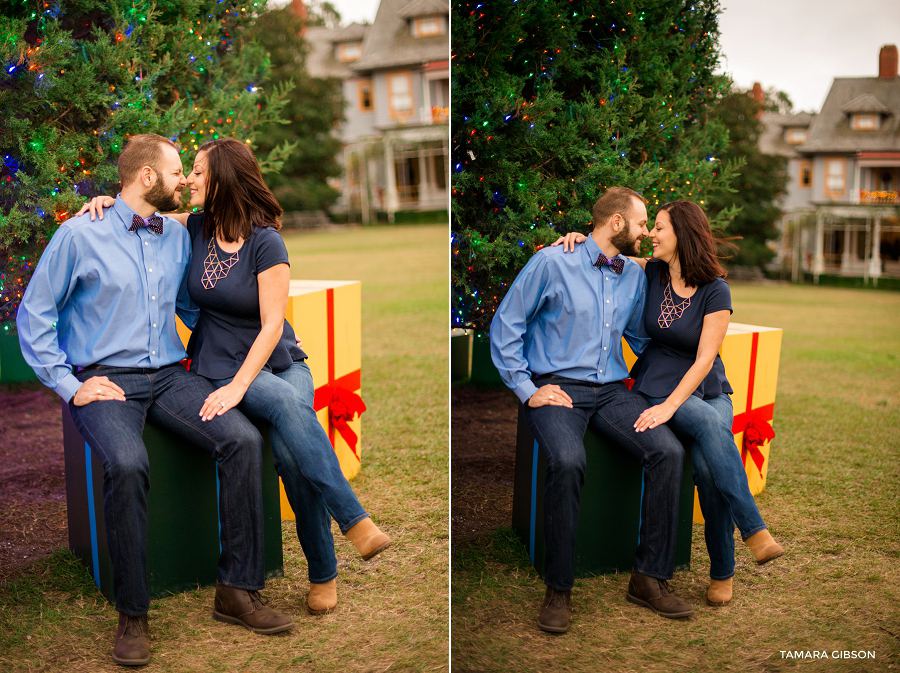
131	469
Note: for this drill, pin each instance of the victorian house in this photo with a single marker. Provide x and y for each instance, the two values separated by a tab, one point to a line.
396	83
842	205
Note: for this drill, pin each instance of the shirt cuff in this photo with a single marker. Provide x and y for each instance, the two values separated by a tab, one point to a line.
525	390
67	388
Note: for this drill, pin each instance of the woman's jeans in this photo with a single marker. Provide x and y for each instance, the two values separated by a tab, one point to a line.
725	497
306	462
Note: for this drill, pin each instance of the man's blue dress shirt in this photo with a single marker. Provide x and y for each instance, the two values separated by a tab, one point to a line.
564	316
101	294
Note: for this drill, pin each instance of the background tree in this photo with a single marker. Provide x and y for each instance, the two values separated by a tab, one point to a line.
760	180
556	100
80	77
314	106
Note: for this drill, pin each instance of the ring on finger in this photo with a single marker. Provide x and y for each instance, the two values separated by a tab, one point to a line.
222	403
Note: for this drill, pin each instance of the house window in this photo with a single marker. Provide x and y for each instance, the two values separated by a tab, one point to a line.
835	177
806	173
439	92
865	122
400	99
366	98
349	51
427	26
796	135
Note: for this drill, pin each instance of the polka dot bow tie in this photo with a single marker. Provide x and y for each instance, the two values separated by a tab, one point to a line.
154	223
616	264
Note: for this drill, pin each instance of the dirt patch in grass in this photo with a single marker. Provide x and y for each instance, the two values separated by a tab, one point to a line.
483	427
32	476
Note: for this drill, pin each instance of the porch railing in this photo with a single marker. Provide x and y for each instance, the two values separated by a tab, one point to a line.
879	197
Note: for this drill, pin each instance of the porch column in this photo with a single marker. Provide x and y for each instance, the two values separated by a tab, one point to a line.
875	261
365	204
847	252
391	202
819	259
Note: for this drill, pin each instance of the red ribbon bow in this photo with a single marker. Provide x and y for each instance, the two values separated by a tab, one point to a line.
754	423
343	405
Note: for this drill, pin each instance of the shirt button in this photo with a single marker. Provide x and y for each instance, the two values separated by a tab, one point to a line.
604	348
601	371
145	243
607	324
607	301
150	270
154	324
152	352
153	298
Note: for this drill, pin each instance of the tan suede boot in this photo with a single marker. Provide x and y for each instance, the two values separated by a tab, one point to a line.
322	598
368	539
719	592
763	547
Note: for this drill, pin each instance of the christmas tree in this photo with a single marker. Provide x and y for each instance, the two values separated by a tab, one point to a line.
554	101
81	76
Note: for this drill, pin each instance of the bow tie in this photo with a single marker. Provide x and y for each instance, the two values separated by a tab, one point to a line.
154	223
616	264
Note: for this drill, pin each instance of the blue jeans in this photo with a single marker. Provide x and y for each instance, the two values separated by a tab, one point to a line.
171	397
611	410
306	462
725	497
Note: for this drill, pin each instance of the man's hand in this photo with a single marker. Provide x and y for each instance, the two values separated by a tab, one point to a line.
299	342
221	400
569	240
654	416
550	395
97	389
96	206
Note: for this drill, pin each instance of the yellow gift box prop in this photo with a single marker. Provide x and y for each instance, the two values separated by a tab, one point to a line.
327	316
751	355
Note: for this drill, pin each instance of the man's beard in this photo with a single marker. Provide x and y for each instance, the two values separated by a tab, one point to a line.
626	244
161	198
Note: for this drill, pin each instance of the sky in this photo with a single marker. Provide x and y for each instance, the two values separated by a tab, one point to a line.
800	46
351	11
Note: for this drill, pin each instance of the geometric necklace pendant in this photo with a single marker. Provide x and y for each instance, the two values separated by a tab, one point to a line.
215	269
669	311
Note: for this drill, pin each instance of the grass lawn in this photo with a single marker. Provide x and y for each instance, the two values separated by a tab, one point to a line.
392	612
831	500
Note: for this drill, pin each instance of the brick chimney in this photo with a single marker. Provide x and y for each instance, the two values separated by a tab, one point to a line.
887	62
299	9
758	95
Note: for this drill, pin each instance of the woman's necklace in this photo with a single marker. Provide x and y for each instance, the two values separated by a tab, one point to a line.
215	269
670	312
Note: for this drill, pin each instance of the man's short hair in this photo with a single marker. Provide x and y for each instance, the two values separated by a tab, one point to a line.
614	200
141	150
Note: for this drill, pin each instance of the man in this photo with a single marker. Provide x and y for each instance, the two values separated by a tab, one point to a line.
556	340
103	298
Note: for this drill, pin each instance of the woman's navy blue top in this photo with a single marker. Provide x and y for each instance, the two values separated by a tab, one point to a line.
673	350
229	312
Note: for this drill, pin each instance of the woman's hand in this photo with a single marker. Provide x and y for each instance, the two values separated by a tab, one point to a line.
655	416
569	240
96	206
221	400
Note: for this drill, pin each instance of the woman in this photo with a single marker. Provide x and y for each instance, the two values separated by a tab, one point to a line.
239	277
682	376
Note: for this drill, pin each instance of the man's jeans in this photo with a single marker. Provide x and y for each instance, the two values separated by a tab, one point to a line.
611	410
171	398
306	462
720	477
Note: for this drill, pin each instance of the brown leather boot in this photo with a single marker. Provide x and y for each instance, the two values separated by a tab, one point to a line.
763	547
655	594
555	611
322	598
248	609
132	646
368	539
719	592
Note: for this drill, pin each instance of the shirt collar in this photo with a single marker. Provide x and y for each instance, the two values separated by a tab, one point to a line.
592	249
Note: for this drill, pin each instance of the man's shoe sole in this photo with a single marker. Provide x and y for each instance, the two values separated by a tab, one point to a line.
668	615
218	616
552	629
131	662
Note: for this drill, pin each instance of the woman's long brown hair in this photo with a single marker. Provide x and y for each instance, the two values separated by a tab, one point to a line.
237	198
696	247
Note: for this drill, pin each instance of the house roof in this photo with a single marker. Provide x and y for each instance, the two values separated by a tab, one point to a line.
390	44
772	141
351	33
321	62
831	131
423	8
865	103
